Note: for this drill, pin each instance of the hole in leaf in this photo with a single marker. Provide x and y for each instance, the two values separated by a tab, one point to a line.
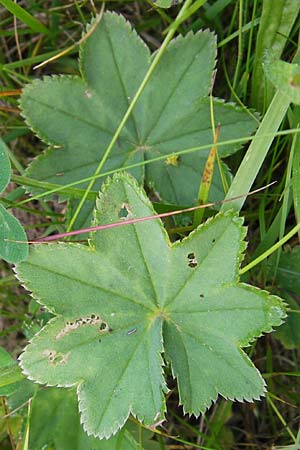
124	212
201	295
56	358
93	319
213	241
103	327
192	260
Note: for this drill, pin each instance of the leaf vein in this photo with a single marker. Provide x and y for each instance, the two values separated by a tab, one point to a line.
193	272
122	83
95	286
171	94
120	379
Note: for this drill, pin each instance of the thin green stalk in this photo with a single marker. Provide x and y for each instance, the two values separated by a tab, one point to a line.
257	151
249	50
249	26
277	20
52	188
296	182
147	77
168	436
24	16
271	250
77	193
15	161
280	417
272	233
18	77
27	428
233	93
215	10
285	201
240	47
189	11
33	60
265	201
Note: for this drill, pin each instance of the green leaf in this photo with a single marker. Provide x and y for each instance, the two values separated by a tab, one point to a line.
8	369
4	166
284	76
60	426
289	333
80	115
11	230
288	282
25	390
276	22
10	227
10	375
24	16
130	296
166	3
288	272
13	384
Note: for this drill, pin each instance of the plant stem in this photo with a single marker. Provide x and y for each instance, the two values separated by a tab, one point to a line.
271	250
257	151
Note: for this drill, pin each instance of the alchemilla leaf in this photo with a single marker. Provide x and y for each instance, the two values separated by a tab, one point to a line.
4	166
10	231
81	114
10	228
61	429
131	300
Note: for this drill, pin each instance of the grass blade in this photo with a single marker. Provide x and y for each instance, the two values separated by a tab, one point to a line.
24	16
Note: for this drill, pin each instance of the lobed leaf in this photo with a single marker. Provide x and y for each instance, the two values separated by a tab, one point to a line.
80	115
61	428
10	228
7	373
289	333
10	231
288	282
130	296
4	166
166	3
284	76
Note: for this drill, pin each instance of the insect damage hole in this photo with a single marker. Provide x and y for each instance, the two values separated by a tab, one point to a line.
124	212
104	327
55	357
192	260
93	319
